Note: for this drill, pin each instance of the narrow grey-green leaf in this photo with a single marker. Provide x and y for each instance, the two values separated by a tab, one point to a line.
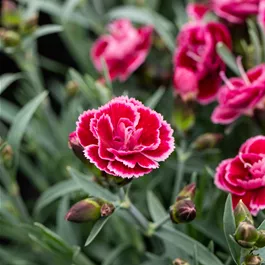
186	243
155	207
46	30
55	192
96	229
262	226
110	259
230	228
90	186
227	57
155	98
7	79
21	122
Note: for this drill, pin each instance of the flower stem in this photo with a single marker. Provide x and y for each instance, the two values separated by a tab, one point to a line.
138	216
182	157
160	223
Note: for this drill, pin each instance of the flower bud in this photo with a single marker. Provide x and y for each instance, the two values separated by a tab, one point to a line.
7	155
260	243
183	211
252	260
30	24
107	209
207	140
242	214
77	148
72	88
246	235
85	211
187	192
10	38
180	262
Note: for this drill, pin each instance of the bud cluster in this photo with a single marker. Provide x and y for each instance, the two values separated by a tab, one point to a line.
184	209
246	235
90	209
15	26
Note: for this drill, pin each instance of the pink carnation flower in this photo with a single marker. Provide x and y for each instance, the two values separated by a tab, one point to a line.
261	16
244	175
241	95
196	62
124	138
123	50
197	11
235	11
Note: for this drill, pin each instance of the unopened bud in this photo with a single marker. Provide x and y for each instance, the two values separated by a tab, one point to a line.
85	211
30	24
10	38
107	209
180	262
207	140
7	155
187	192
72	88
246	235
242	214
74	144
183	211
260	243
252	260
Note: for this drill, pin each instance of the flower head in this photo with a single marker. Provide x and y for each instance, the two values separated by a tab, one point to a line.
244	175
196	62
235	11
123	50
241	95
124	138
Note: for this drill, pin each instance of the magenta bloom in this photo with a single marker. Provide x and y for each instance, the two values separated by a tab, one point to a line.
196	62
240	96
261	16
235	11
244	175
123	50
197	11
124	138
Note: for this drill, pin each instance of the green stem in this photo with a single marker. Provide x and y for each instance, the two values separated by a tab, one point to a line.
138	216
160	223
179	174
81	259
15	194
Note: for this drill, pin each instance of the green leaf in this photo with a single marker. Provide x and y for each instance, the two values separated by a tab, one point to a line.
65	229
21	123
46	30
110	259
55	192
155	98
145	16
227	56
255	40
96	229
7	79
8	110
155	207
53	241
187	244
262	226
40	32
230	228
89	186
